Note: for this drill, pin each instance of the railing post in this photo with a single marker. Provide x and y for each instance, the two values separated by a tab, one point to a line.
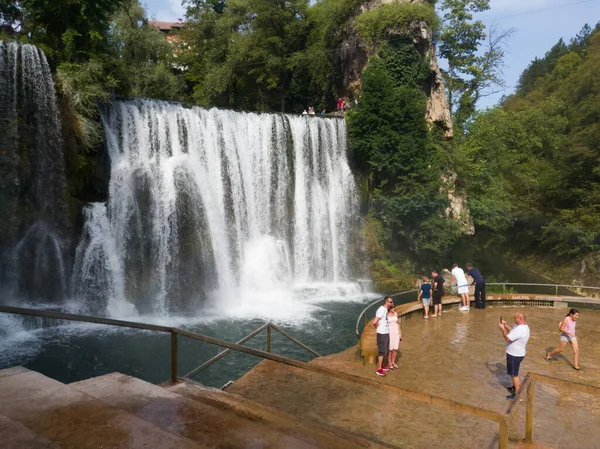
503	288
529	412
503	435
557	290
269	338
173	356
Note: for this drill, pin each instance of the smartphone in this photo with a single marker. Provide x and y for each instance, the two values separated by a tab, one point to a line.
500	319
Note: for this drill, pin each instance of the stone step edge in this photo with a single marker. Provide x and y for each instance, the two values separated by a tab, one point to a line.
242	406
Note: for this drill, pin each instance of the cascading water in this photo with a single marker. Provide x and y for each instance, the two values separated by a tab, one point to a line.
33	232
218	210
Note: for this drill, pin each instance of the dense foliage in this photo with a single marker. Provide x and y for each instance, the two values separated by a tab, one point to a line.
393	144
531	165
281	55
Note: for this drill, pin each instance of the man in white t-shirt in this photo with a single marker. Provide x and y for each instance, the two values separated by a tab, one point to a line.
462	285
516	346
383	334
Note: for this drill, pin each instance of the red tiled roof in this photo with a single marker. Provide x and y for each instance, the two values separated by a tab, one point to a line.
165	26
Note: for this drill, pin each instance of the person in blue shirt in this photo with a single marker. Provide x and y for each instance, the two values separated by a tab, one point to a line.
425	296
479	282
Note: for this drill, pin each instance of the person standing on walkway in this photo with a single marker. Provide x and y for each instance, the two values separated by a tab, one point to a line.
438	292
383	334
395	336
479	282
462	286
567	335
425	296
516	347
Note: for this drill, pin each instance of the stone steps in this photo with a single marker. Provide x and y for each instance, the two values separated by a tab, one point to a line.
119	411
211	417
40	412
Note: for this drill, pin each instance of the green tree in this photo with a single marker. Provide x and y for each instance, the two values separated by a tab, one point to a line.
474	57
391	142
67	30
250	46
148	58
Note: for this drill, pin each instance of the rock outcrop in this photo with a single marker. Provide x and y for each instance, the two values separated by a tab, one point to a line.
355	54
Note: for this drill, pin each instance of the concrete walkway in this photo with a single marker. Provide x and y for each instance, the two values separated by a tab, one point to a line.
459	357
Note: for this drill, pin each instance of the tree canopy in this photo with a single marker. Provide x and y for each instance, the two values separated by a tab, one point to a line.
530	165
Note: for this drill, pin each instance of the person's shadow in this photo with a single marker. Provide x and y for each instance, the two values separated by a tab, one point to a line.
498	369
558	357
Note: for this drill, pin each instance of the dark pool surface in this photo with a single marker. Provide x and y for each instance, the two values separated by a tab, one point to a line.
80	351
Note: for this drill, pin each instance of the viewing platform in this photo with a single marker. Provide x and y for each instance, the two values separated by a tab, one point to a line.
449	391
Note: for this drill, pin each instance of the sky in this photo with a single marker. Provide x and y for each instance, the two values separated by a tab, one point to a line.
538	25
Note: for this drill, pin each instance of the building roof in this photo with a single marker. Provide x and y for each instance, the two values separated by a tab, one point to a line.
165	27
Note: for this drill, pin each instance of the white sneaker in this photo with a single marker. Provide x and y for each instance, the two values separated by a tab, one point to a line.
463	308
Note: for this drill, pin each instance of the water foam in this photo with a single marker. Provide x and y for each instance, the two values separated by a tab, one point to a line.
220	212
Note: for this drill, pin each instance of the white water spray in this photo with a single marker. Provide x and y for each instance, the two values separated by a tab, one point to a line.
220	210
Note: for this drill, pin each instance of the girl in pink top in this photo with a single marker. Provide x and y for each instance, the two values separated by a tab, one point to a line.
567	335
395	337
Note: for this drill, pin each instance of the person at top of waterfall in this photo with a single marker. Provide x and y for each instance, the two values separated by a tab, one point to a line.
340	104
567	335
395	336
516	338
311	110
304	112
479	282
425	296
383	334
323	112
438	292
462	285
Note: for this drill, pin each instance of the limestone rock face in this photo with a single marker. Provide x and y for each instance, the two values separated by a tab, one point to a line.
355	54
438	109
458	209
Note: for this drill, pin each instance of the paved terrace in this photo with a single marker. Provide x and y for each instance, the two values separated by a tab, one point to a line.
459	357
335	401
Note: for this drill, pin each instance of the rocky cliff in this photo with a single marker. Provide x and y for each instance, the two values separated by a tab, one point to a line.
356	51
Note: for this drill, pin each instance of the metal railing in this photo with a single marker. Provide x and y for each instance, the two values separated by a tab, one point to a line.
569	287
175	332
501	418
363	315
528	388
268	326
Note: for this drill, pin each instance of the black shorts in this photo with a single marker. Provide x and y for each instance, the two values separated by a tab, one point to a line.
437	297
383	343
512	364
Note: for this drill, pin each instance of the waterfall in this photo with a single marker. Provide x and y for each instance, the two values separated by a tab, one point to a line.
33	194
211	209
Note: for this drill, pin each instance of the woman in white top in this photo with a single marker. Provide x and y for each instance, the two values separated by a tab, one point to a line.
395	336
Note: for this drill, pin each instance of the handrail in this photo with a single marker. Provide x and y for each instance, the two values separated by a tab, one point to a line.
501	418
84	318
172	330
503	284
371	305
222	354
268	326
